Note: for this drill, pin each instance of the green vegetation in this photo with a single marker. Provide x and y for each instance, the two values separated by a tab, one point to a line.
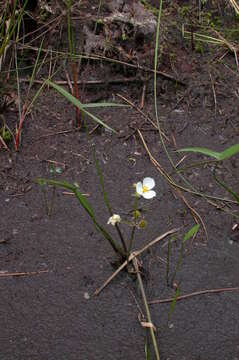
29	60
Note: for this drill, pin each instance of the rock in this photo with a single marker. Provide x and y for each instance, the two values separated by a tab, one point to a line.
127	30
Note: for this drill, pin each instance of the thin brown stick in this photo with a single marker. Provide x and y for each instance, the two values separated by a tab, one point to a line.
141	106
149	323
72	194
23	273
142	113
19	128
180	161
230	45
68	81
56	162
214	93
76	92
132	256
196	293
195	214
57	133
3	143
89	82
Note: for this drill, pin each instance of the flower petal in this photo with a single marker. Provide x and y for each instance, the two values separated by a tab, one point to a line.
149	194
115	218
139	188
149	183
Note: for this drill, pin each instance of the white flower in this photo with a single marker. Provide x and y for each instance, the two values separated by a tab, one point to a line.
115	218
145	189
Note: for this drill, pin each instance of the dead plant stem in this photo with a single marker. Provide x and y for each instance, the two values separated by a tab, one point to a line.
196	293
151	327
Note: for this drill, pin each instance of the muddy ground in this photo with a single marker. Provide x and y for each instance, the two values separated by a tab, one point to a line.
52	265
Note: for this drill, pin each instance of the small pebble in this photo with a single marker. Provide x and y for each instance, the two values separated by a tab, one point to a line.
86	296
179	111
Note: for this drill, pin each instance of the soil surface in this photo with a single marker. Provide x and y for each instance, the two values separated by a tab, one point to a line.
50	266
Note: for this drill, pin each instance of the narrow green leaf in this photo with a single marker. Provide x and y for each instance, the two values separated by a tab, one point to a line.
225	186
168	261
191	232
186	237
84	202
41	182
200	150
35	66
147	350
102	104
173	303
78	104
226	154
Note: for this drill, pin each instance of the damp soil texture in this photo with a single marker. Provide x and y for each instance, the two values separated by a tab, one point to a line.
52	264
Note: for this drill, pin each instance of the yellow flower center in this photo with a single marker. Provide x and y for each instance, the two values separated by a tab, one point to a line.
145	189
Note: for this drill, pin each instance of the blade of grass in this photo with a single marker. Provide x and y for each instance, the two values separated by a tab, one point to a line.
13	24
35	67
168	261
223	155
71	45
147	350
24	112
192	232
173	303
225	186
77	103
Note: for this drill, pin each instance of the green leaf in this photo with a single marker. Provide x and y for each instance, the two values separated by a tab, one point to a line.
82	199
78	104
173	303
102	104
85	204
226	154
147	350
225	186
204	151
191	232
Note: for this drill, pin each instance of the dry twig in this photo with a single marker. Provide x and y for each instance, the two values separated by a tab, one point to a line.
196	293
132	256
30	273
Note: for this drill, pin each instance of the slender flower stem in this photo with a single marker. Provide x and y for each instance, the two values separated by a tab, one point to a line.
107	203
151	329
112	242
134	226
121	238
